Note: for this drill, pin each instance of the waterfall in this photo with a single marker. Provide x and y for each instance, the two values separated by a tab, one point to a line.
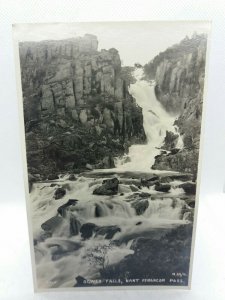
156	121
62	255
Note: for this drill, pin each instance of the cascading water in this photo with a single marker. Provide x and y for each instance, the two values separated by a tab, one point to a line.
156	122
60	257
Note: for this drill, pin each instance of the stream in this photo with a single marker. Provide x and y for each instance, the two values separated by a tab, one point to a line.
62	256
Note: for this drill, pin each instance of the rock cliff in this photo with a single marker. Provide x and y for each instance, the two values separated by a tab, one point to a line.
179	74
77	107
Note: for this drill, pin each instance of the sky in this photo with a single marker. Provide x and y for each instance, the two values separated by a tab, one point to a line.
136	41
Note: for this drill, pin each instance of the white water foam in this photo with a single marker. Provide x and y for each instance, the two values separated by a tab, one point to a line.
156	121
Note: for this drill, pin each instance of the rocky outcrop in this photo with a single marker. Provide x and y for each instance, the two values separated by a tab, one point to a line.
179	74
77	107
108	187
89	229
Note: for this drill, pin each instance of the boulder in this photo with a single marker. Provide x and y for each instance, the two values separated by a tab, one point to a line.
72	177
140	206
75	225
62	209
138	223
144	195
59	193
162	187
53	177
107	231
98	211
189	188
51	224
134	188
108	187
87	230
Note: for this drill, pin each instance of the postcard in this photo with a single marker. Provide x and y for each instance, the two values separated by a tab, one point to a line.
111	118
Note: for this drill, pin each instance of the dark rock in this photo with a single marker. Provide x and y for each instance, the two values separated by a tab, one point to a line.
191	204
51	224
59	193
162	188
75	225
147	183
121	194
62	209
108	187
134	188
170	140
165	179
98	211
53	184
53	177
87	230
174	151
153	178
144	195
72	177
138	223
189	188
140	206
108	231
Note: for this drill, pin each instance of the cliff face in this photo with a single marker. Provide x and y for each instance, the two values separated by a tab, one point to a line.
179	74
77	107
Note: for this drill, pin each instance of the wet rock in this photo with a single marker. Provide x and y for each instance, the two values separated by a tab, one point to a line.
134	188
138	223
108	187
59	193
165	179
162	187
75	225
53	177
144	195
107	231
191	204
98	211
147	183
153	178
189	188
72	177
170	140
51	224
140	206
53	184
87	230
62	209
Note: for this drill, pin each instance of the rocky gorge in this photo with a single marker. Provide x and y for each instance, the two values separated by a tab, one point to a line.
112	155
78	111
179	75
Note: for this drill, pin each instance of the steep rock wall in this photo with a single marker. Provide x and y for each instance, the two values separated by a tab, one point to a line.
179	74
77	107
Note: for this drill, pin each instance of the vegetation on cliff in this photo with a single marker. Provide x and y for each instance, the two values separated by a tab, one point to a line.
77	107
179	74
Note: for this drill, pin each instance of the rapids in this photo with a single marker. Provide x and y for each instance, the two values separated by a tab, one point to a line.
156	122
60	257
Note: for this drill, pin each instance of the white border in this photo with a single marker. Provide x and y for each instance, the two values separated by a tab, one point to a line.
25	173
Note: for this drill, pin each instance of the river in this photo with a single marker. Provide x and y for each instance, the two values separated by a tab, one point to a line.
61	256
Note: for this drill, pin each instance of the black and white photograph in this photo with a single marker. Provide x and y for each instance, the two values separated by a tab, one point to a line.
111	119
